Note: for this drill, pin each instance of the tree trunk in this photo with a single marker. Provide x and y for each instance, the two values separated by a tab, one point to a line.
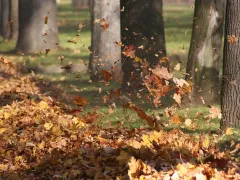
205	50
141	25
231	66
106	54
5	10
81	4
37	25
14	19
0	17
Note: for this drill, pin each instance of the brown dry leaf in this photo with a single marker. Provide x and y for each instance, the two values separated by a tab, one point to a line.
162	72
176	119
107	76
129	51
215	113
185	88
47	51
5	60
177	98
135	167
151	121
104	24
91	117
177	67
232	39
46	19
80	101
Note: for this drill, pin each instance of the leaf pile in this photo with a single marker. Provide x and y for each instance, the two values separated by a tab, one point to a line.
41	140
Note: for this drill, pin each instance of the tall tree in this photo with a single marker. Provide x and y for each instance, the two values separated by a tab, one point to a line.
5	11
105	51
142	29
14	19
231	74
205	50
37	25
81	4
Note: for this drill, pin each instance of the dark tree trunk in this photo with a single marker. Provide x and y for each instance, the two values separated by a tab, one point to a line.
81	4
14	19
35	33
205	50
106	54
141	25
0	17
5	12
231	68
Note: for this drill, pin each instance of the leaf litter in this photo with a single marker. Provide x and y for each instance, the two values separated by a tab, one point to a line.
41	138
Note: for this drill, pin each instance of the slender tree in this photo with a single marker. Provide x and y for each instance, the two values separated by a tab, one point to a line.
14	19
231	74
142	28
105	51
205	50
37	25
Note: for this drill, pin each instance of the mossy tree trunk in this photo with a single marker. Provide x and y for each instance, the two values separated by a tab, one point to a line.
206	50
231	66
141	26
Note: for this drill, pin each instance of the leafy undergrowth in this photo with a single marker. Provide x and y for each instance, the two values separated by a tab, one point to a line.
41	138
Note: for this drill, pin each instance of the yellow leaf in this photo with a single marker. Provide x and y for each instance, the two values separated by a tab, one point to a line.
2	130
229	131
137	59
6	115
182	169
48	126
43	105
41	145
206	142
56	130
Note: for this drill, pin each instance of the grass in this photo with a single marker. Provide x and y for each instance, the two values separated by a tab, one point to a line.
178	24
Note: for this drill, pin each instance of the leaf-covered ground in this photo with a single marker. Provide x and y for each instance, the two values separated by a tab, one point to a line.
42	138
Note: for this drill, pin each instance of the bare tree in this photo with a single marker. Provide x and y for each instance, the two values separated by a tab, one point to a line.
231	66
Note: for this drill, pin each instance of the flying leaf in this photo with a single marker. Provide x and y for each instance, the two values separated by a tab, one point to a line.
104	24
80	101
46	20
232	39
129	51
107	76
162	72
177	98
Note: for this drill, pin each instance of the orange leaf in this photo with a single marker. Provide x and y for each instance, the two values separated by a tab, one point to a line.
80	101
107	76
104	24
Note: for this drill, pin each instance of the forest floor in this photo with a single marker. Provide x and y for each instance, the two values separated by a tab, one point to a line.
55	125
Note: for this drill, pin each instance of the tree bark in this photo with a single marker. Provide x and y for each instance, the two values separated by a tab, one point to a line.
141	25
231	74
37	25
5	10
81	4
205	50
14	19
105	53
